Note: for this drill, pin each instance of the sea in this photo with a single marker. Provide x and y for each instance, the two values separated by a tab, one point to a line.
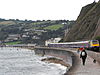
18	61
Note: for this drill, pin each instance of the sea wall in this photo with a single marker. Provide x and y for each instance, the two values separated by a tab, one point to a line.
67	56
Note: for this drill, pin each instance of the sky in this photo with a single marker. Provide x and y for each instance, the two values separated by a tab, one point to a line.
42	9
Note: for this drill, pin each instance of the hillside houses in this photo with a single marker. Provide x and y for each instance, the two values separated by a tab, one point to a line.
13	37
24	31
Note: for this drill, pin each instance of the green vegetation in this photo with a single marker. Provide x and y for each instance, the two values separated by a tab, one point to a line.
13	43
54	27
38	23
28	31
36	27
98	38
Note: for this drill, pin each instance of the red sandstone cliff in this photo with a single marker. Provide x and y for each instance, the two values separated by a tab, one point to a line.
87	25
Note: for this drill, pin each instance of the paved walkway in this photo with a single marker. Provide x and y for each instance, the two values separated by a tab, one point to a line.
90	68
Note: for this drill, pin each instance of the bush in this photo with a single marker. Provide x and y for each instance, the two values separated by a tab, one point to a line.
98	38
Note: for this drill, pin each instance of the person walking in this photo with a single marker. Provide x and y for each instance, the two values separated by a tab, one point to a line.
83	55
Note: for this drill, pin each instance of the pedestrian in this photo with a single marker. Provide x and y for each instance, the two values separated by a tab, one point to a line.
83	55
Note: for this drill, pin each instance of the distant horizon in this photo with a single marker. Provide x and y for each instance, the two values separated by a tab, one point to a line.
34	20
42	9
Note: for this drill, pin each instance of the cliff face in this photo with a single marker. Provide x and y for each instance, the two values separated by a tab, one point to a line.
97	33
87	25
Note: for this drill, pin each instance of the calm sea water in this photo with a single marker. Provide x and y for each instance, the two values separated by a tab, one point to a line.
16	61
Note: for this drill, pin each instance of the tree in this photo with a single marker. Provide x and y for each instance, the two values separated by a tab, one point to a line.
3	36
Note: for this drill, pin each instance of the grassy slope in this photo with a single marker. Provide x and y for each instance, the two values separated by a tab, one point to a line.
12	43
54	27
7	23
37	23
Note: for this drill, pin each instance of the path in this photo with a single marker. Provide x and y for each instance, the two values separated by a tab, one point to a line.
90	68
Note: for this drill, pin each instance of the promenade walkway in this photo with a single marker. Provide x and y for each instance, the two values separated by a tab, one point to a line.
90	68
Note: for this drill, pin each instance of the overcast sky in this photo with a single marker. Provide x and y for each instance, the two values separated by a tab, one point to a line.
41	9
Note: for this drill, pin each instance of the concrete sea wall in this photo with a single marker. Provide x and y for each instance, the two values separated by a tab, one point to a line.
68	57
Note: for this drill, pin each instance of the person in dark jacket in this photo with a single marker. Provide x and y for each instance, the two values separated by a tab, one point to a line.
83	55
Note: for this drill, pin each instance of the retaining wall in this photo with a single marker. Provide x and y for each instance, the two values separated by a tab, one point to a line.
94	55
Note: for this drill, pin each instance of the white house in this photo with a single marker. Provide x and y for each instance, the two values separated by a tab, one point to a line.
52	40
